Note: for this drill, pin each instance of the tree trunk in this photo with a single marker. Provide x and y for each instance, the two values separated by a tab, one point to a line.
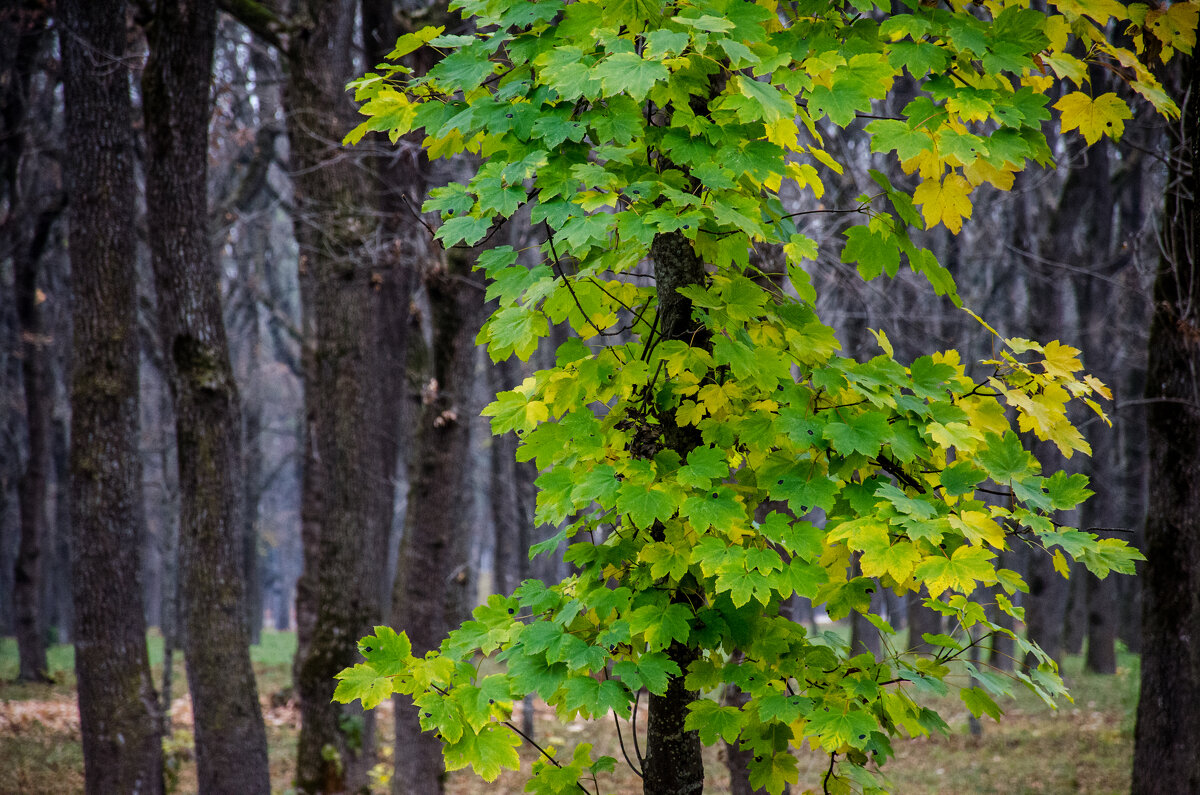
24	238
28	608
1168	719
231	745
338	601
118	710
434	583
673	763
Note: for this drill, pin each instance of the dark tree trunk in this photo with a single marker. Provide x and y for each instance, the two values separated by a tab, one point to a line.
118	711
338	600
231	746
1168	718
24	238
434	583
673	764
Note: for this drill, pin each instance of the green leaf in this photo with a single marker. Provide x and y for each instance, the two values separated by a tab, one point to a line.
626	73
365	683
713	721
643	505
979	702
716	508
864	433
489	752
839	725
874	252
774	772
772	105
387	651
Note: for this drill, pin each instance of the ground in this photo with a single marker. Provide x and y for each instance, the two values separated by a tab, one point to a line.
1084	747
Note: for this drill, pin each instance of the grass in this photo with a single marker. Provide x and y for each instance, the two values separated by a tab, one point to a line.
1083	747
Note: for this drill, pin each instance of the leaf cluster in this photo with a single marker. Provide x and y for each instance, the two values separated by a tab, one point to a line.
813	474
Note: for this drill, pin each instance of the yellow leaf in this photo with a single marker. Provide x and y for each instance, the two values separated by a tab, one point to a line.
1060	564
805	175
783	132
1062	361
535	412
1105	115
982	171
947	202
1099	10
978	526
1175	27
826	159
688	413
928	164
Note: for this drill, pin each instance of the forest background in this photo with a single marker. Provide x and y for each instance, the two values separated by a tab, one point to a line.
437	514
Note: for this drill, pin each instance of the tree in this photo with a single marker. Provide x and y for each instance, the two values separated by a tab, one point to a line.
1168	717
695	393
231	742
118	710
33	211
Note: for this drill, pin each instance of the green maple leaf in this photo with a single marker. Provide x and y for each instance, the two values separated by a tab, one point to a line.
960	571
593	698
712	720
666	560
661	625
774	772
465	229
363	682
531	673
490	751
837	725
644	505
961	478
626	73
979	702
772	104
874	252
716	508
862	433
1004	458
387	651
704	464
440	714
652	671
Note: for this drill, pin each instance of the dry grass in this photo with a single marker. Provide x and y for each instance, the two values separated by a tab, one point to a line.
1085	747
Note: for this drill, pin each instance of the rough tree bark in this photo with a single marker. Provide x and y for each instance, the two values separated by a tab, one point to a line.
118	711
341	295
673	763
231	745
434	584
26	233
1168	718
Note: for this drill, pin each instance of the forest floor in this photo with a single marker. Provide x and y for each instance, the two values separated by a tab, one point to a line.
1084	747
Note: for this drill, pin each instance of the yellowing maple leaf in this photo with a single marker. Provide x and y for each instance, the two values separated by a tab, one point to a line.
1105	115
982	171
947	202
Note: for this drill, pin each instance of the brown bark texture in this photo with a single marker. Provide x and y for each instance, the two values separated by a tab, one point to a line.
231	746
119	721
338	599
1167	737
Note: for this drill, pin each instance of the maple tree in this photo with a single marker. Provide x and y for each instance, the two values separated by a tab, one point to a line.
691	396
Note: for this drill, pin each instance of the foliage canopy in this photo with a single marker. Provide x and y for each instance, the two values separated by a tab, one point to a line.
616	122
